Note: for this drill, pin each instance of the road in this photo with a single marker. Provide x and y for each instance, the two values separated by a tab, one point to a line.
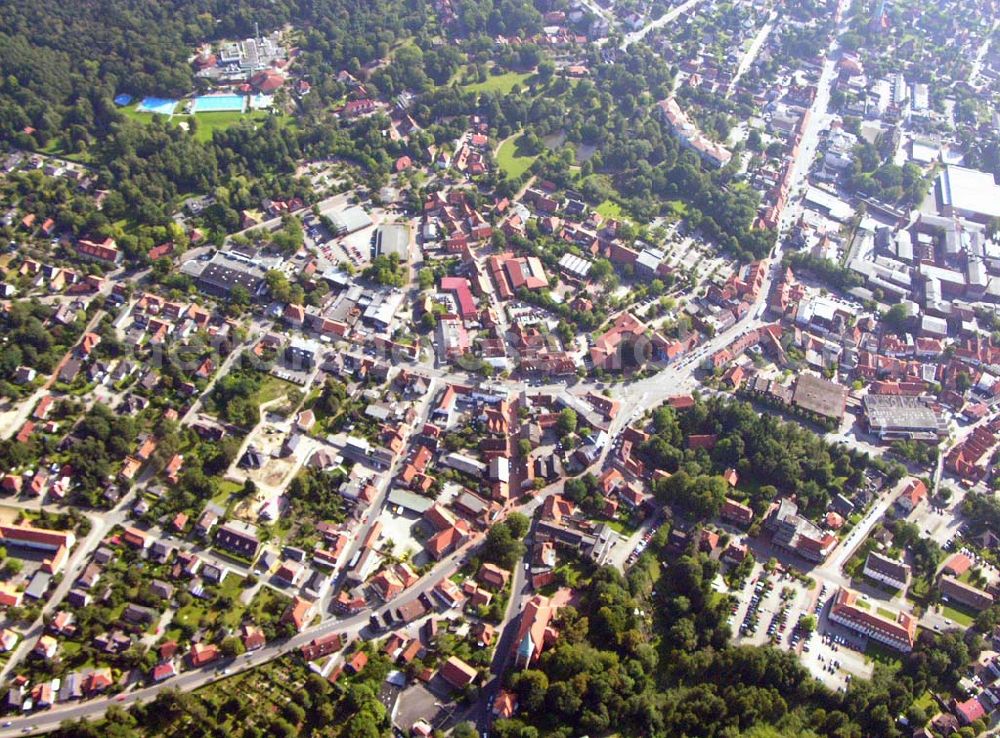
383	486
977	63
752	51
520	590
100	525
191	415
835	564
660	22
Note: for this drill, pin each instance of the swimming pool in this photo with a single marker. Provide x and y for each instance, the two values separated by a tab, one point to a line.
123	99
218	103
161	105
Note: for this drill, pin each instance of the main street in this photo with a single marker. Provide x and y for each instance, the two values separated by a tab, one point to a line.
383	486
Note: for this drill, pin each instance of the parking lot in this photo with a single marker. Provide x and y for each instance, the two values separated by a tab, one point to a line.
643	542
769	609
834	654
941	524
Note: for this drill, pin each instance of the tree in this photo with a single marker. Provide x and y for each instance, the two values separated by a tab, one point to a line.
232	647
896	317
278	284
426	278
567	421
502	547
518	524
13	567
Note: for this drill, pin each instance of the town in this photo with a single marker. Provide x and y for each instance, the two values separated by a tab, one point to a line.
565	368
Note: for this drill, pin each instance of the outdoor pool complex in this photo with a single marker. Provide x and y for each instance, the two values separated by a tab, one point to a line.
218	103
163	106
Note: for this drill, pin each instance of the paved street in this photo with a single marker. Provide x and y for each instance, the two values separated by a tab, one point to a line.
668	17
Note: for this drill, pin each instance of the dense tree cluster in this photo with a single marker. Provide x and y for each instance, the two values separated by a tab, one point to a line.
31	339
504	545
660	665
777	457
234	396
314	495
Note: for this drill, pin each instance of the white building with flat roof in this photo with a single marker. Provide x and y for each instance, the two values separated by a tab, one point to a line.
968	193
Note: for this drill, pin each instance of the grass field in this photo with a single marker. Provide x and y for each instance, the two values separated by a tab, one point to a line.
501	83
609	209
621	527
512	162
960	616
271	388
678	208
227	489
883	654
926	702
205	123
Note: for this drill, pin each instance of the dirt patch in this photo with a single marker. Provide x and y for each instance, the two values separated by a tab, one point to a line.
8	514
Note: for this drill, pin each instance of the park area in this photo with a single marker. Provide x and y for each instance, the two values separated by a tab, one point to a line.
501	84
204	122
512	159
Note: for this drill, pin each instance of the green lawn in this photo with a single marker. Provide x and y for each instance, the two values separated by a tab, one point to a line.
56	147
678	208
231	616
883	654
959	614
267	602
512	162
501	83
132	111
621	527
227	488
926	702
609	209
206	123
271	388
232	586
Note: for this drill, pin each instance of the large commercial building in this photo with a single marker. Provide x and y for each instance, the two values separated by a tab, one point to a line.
349	220
894	417
393	238
856	613
968	193
226	271
820	396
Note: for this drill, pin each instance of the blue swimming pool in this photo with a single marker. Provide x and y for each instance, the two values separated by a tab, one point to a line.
218	103
123	99
161	105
